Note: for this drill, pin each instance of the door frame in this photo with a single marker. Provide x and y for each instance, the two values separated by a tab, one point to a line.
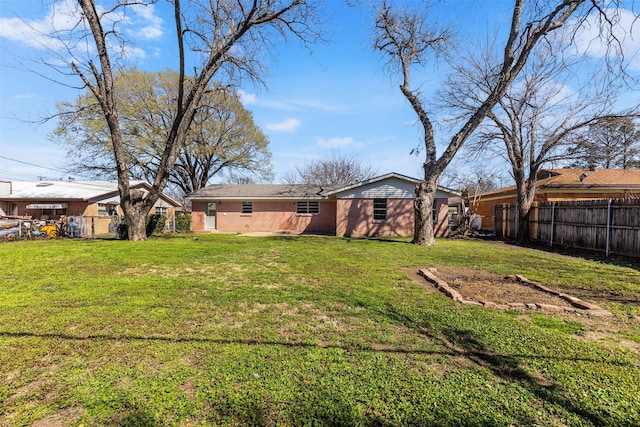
211	216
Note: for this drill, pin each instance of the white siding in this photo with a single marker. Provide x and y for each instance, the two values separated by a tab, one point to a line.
391	188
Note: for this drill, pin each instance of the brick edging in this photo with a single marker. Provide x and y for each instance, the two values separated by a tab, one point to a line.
577	305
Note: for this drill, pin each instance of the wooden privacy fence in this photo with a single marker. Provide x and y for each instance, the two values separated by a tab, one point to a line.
610	226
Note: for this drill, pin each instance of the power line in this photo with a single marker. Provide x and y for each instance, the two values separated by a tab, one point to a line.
79	183
32	164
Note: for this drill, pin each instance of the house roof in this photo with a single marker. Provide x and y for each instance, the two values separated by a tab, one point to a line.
580	179
260	191
586	178
88	191
291	191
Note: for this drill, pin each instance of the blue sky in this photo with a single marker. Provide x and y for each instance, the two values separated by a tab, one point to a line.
335	98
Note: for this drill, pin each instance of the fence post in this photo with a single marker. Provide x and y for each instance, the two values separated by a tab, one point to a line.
608	248
505	219
553	220
516	222
533	221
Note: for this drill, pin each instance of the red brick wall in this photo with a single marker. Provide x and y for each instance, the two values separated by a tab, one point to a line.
485	209
355	218
197	216
441	227
73	208
346	217
267	216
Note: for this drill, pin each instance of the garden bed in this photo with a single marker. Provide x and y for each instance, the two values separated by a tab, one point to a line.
482	288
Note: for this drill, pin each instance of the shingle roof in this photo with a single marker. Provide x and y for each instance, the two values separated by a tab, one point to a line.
261	191
289	191
622	179
586	178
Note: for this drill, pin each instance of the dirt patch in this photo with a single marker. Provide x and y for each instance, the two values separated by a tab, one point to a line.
478	285
61	418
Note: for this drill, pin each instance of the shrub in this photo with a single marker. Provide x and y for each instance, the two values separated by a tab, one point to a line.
155	224
183	223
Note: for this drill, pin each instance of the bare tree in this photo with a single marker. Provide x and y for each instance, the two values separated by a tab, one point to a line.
406	37
536	122
223	38
334	169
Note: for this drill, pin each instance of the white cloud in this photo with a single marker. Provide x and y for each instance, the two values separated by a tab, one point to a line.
65	16
288	126
132	53
621	40
247	98
151	23
337	142
27	96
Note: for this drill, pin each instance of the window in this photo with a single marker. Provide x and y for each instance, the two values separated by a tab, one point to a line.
14	209
106	209
211	209
162	211
54	212
379	209
247	208
312	208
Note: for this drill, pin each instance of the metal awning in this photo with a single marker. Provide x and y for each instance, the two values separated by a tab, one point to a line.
47	206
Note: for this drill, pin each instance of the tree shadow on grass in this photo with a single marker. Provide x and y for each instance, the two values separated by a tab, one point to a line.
510	367
320	405
590	255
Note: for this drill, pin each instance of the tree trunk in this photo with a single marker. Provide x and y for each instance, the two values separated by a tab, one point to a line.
425	196
136	209
526	194
136	226
523	226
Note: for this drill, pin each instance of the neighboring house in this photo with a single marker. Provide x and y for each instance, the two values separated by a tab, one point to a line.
96	200
381	206
567	184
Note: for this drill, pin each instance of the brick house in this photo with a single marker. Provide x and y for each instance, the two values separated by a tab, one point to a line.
96	200
381	206
567	184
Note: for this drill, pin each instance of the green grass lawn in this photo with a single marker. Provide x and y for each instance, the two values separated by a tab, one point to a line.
234	330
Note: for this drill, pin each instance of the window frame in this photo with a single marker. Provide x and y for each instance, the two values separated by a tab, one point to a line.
246	208
379	211
54	212
308	207
106	210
